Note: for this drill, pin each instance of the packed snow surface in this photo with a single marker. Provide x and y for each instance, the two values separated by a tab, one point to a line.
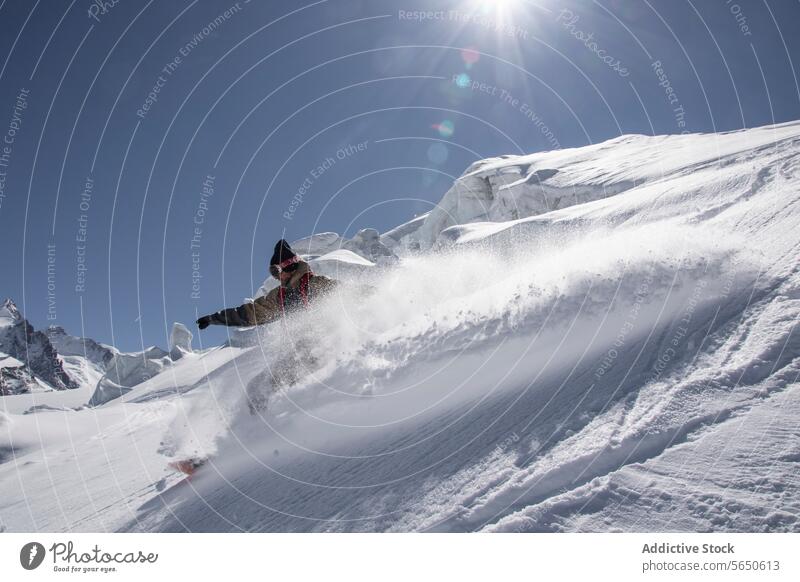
596	339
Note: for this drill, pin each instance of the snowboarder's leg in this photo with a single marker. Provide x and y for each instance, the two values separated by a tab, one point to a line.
258	390
287	371
265	384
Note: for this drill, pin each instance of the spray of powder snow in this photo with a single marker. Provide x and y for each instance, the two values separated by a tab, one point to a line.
432	313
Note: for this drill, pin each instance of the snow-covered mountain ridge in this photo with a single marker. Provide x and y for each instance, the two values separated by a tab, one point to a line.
40	361
39	364
596	339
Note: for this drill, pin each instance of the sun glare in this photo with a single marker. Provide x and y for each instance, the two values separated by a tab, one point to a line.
496	6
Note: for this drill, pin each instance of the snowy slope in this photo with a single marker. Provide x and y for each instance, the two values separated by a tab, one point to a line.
610	345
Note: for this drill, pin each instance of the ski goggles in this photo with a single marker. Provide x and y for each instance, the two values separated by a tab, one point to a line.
276	270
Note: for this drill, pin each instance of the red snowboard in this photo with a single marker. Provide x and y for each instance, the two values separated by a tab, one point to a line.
187	466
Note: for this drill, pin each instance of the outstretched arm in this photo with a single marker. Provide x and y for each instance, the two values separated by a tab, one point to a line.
235	316
263	310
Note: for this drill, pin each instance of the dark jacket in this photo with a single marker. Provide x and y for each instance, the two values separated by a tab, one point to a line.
302	288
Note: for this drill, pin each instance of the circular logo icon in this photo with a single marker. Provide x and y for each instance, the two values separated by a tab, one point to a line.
31	555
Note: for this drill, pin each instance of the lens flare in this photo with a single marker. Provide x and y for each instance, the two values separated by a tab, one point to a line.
438	153
463	81
470	56
445	128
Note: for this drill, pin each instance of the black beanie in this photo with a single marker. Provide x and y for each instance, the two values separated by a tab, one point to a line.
282	252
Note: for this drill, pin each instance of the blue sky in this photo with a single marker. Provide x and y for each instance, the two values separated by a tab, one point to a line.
153	140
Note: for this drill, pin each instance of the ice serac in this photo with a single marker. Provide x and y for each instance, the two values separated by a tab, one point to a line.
342	265
509	188
317	244
126	370
180	341
366	243
399	239
20	340
514	187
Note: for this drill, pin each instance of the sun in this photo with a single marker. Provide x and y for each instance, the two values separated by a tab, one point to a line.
496	6
498	13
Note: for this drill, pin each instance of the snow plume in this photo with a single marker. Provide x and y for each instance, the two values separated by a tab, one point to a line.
447	329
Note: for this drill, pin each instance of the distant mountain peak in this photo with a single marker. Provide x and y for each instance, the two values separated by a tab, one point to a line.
9	314
20	340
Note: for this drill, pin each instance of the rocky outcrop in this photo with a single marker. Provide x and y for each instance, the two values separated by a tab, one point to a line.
33	348
14	376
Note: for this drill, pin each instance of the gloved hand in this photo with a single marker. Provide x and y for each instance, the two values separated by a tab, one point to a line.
204	322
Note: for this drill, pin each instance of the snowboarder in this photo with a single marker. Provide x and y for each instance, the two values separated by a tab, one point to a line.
299	286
